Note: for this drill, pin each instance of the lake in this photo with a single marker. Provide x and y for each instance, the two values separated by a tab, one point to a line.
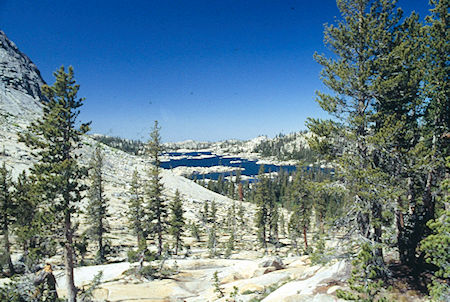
192	159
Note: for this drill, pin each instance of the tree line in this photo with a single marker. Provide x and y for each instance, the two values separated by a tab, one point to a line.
39	208
387	96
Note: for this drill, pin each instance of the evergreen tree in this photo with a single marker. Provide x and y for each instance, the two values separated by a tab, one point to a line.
282	224
262	213
156	204
7	213
212	235
436	246
300	219
57	139
205	213
25	211
136	213
213	212
29	225
241	215
177	221
97	208
362	42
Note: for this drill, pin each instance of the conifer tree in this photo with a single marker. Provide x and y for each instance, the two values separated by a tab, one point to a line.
7	213
436	127
136	213
97	208
156	204
205	213
282	224
361	41
177	221
300	219
262	213
29	230
57	139
241	215
212	235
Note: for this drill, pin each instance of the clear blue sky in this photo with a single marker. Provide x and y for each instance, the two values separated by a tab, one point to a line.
206	70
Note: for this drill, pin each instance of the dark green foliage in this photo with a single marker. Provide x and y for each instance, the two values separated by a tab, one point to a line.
301	210
176	221
216	283
57	173
135	147
364	282
436	247
230	245
277	147
262	213
156	205
212	231
136	212
97	208
195	231
205	213
23	289
7	209
86	294
362	42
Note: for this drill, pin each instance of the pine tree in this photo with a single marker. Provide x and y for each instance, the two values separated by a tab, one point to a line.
97	208
136	213
282	224
156	204
177	221
262	213
362	41
7	212
300	219
212	231
205	213
28	229
57	139
436	246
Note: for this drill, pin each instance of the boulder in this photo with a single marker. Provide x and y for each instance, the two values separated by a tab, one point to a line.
272	261
337	272
250	288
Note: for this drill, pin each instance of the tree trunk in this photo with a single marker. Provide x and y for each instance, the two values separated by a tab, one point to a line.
8	249
160	240
377	215
101	248
241	194
68	260
304	238
264	241
400	230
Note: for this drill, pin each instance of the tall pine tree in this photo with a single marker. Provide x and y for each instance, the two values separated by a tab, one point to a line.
156	204
56	138
136	212
7	207
361	41
176	221
97	208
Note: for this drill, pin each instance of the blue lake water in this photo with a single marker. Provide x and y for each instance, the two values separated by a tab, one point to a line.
250	167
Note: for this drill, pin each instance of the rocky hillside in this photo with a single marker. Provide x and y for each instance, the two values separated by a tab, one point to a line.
21	103
242	274
287	148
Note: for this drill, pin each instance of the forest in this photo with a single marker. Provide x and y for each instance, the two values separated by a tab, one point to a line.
387	200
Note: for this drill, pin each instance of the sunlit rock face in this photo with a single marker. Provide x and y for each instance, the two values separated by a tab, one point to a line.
17	71
20	82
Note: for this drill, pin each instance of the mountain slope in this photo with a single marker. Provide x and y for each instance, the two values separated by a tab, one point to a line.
21	103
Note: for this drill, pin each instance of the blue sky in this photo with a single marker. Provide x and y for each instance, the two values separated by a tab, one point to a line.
206	70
